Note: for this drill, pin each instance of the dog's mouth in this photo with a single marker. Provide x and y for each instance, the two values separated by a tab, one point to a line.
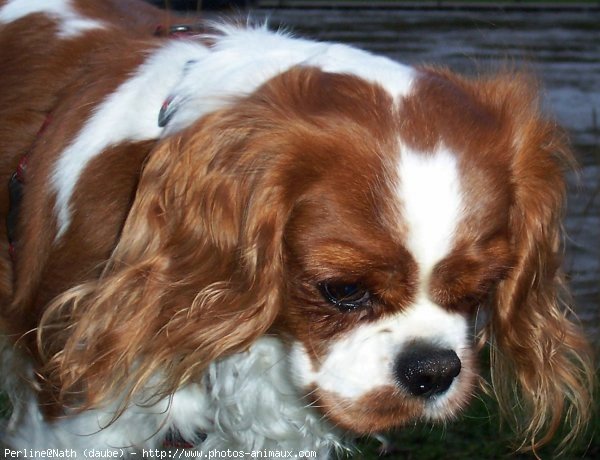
426	384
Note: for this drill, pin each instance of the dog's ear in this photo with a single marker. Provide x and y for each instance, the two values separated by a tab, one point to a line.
541	363
196	274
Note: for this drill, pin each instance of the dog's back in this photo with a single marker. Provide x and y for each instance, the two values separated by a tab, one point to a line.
57	65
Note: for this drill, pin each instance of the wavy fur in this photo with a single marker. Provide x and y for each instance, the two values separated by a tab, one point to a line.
534	334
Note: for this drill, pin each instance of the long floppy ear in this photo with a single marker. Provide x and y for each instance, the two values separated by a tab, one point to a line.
195	275
541	365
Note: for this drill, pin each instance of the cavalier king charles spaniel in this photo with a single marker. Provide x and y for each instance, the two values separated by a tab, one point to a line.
247	240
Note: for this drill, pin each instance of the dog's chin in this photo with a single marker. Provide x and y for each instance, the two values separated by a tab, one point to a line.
378	410
387	408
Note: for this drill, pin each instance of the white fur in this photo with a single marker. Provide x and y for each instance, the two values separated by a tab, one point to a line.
244	402
70	23
130	113
28	429
362	360
242	59
429	193
198	81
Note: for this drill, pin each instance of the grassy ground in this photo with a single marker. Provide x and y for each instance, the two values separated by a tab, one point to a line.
4	406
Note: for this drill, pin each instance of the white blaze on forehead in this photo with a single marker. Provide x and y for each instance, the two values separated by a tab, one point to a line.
71	24
429	191
363	360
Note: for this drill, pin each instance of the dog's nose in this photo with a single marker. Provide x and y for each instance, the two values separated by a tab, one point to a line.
425	370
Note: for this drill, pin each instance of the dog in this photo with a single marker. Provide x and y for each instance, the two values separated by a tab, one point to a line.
241	239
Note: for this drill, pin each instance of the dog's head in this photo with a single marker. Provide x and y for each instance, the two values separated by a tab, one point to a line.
368	231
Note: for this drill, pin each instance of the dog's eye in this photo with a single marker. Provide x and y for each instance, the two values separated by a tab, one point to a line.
345	296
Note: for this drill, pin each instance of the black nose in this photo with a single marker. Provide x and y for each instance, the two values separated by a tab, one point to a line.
425	370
